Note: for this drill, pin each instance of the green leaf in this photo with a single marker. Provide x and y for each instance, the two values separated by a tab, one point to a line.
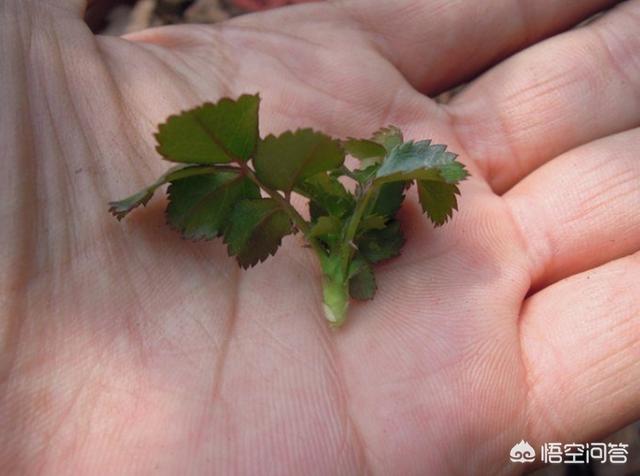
212	133
438	200
372	222
362	282
121	208
256	230
200	206
389	199
327	196
388	137
326	226
420	161
285	161
316	212
327	229
379	245
363	148
365	174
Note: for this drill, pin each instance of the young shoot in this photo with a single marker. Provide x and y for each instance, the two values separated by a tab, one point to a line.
236	185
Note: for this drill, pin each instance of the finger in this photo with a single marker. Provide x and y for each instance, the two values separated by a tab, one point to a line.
581	209
581	347
437	44
564	92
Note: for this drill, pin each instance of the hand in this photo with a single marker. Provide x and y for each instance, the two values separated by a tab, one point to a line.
126	350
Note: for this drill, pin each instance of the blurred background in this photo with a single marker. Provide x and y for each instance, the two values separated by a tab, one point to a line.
117	17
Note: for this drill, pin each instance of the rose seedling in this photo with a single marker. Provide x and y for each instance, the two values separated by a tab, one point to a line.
236	185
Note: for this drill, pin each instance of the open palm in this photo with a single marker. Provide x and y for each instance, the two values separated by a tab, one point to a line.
126	350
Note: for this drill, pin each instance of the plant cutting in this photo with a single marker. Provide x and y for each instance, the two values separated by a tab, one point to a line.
233	184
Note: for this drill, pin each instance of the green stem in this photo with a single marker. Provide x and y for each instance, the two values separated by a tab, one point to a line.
336	301
352	228
296	218
335	267
344	170
335	291
226	168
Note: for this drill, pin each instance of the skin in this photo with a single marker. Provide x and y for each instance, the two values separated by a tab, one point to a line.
126	350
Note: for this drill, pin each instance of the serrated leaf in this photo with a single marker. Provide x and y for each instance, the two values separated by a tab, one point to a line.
327	196
121	208
388	137
200	206
438	200
420	161
285	161
364	149
212	133
256	230
389	199
362	281
379	245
